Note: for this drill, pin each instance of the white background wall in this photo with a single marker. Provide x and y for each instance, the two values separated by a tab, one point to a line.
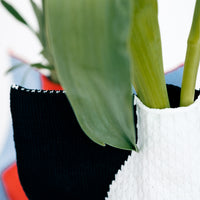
16	38
175	18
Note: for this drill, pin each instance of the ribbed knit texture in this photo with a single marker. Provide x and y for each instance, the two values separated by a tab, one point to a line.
55	159
167	166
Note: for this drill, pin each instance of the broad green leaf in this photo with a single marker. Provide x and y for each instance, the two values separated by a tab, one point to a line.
89	44
145	46
15	13
192	60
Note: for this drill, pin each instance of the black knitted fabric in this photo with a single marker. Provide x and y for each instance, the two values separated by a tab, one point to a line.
55	159
174	93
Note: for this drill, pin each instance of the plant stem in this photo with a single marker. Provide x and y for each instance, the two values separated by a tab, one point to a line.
147	71
192	60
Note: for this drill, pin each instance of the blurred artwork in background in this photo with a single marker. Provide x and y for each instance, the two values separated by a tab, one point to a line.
11	189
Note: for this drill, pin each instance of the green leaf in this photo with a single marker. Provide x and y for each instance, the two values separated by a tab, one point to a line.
192	60
15	13
40	19
89	44
39	12
145	46
41	66
14	67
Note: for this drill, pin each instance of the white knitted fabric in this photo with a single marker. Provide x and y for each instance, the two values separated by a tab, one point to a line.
167	166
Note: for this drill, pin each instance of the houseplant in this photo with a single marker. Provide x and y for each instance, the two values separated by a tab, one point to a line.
98	95
88	65
128	31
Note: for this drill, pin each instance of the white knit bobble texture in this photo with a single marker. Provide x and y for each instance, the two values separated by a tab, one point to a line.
167	166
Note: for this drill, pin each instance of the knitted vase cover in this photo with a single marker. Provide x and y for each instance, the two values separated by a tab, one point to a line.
167	166
55	158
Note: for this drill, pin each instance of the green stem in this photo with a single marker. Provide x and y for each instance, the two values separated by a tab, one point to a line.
147	71
192	60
